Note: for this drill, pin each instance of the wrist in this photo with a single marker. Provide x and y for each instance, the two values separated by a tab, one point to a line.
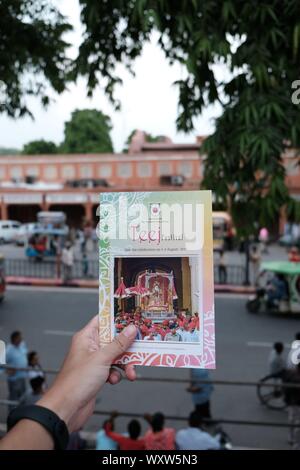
60	404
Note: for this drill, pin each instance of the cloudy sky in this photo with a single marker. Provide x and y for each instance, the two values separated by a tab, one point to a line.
149	101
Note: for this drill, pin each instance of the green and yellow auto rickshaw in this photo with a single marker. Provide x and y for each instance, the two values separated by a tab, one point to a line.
278	289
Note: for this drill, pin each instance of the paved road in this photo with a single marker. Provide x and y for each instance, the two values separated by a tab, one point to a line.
48	317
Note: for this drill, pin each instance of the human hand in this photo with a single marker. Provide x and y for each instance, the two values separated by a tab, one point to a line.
148	418
86	368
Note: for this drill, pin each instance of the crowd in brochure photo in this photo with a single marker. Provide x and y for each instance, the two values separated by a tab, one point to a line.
159	301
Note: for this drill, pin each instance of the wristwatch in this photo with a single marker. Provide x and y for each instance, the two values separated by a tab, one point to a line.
46	418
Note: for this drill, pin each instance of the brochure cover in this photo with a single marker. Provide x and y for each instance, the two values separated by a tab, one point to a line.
156	271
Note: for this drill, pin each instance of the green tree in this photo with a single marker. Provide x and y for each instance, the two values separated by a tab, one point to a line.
9	151
259	44
32	53
87	132
38	147
148	137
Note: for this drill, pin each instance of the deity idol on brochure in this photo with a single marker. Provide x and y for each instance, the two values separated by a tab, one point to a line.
156	271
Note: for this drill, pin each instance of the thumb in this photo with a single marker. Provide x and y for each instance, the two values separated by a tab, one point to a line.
119	345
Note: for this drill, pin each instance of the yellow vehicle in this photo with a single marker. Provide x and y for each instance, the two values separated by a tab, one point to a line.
223	231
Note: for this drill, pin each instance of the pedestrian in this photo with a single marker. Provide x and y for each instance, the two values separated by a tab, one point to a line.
276	360
35	393
263	239
222	267
159	437
294	354
194	437
16	356
201	391
292	399
132	442
34	365
85	265
103	442
67	261
255	260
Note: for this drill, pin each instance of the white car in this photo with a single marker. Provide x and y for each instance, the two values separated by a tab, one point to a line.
24	232
9	230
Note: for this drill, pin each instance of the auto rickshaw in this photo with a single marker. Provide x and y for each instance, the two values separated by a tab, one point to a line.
48	236
44	243
277	273
223	231
2	278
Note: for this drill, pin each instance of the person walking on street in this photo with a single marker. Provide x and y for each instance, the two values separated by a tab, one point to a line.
222	268
255	259
276	359
16	357
263	239
201	391
67	261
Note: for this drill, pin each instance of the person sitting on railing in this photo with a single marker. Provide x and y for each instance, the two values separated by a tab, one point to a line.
195	438
35	394
103	442
130	442
71	400
158	437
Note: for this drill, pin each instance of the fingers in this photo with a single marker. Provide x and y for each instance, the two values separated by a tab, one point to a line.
115	376
118	346
130	372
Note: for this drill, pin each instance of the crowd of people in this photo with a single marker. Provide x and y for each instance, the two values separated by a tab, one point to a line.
195	436
182	327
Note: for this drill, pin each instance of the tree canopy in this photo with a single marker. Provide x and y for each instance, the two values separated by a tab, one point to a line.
257	42
259	45
39	147
33	55
87	132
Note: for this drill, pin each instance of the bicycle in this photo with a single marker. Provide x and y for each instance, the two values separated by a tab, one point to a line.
271	396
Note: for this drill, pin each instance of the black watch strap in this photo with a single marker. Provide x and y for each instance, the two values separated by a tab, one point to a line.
46	418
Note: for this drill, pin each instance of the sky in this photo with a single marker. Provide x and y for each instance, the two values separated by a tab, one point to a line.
148	100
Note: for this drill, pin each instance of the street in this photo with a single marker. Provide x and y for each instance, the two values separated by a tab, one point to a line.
47	318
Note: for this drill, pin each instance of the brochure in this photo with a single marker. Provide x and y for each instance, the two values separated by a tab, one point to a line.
156	271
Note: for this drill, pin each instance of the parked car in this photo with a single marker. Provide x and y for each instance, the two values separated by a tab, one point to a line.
25	231
9	230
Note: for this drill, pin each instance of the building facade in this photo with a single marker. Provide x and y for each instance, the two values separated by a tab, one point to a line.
72	183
